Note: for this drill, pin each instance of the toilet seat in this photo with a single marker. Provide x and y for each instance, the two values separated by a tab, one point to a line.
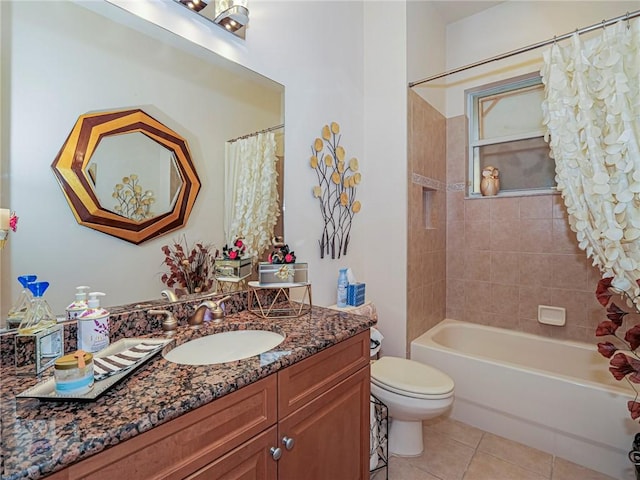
410	378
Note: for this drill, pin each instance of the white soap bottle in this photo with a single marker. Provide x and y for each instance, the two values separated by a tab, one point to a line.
79	305
93	325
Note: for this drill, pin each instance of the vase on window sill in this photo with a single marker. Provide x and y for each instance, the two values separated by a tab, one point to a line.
490	183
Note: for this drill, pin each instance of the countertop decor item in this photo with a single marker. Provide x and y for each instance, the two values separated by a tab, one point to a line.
46	389
490	183
191	270
8	221
335	190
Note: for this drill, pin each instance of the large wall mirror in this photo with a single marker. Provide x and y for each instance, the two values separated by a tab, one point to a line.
64	59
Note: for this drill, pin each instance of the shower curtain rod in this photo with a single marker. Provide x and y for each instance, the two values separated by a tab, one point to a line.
604	23
270	129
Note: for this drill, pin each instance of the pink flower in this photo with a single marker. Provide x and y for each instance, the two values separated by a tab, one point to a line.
288	258
233	254
13	221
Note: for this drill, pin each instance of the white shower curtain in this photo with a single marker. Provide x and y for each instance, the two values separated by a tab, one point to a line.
592	113
251	191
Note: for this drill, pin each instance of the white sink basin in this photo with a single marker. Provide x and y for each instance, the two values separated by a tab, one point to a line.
224	347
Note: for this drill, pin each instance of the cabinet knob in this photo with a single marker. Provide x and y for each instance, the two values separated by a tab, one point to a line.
288	442
276	453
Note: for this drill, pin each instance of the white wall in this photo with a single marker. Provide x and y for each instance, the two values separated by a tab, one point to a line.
509	26
426	50
385	123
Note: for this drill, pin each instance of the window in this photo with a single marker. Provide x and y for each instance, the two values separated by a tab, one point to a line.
506	132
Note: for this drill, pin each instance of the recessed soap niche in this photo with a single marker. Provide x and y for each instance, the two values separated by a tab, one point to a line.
429	213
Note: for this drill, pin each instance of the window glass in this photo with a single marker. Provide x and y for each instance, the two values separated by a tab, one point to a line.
506	132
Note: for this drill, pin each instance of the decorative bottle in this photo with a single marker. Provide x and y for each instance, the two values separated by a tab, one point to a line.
39	315
342	288
22	303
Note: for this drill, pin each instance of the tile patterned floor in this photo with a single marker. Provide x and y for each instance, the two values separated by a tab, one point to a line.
456	451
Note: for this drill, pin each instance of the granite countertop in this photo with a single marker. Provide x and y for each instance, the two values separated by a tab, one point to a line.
38	437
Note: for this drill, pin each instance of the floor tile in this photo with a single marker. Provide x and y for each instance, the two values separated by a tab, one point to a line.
487	467
517	453
401	469
463	433
443	457
566	470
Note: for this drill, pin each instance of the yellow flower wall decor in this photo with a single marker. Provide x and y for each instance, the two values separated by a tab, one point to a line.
335	190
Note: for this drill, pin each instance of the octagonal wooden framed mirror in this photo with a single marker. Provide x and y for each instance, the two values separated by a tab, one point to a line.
126	174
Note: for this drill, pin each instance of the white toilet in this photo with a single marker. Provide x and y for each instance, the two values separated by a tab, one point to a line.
412	392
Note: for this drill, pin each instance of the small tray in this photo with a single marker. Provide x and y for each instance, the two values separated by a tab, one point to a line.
46	390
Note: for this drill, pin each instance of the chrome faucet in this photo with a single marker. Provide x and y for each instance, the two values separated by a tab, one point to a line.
196	320
169	324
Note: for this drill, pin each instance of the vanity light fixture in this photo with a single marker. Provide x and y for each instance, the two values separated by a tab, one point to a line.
232	15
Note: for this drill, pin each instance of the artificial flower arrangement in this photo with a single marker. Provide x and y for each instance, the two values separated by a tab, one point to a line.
235	251
191	272
13	226
624	359
281	253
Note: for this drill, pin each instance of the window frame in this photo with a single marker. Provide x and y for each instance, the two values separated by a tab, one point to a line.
473	97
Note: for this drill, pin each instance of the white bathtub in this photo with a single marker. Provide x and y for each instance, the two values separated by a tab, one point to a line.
556	396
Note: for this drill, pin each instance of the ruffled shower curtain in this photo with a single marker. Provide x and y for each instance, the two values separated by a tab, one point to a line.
592	114
251	191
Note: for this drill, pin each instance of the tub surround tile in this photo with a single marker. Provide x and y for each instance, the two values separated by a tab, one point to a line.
504	209
477	266
505	236
537	206
39	438
477	235
535	235
505	268
477	211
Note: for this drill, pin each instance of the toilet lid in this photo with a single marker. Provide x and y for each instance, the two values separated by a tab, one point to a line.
403	375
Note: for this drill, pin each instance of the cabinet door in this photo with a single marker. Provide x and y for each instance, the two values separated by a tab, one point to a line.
330	434
250	461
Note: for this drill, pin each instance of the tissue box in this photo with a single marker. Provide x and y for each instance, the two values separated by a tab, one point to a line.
282	273
237	269
355	294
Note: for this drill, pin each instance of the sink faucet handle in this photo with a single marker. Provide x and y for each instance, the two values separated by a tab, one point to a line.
169	324
169	295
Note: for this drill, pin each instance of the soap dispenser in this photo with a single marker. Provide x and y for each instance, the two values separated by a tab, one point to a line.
19	309
39	315
93	325
79	305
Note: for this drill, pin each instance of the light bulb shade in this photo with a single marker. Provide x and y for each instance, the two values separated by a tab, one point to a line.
231	14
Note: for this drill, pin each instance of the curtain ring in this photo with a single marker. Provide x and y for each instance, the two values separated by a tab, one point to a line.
627	20
603	24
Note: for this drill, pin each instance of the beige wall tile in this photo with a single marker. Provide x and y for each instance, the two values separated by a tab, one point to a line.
538	206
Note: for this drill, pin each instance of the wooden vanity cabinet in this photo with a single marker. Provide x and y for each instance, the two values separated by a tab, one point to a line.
309	421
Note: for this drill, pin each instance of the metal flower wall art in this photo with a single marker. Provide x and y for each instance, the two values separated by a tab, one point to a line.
335	191
133	202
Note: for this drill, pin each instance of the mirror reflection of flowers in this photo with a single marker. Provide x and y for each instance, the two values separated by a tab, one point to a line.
191	272
622	351
281	253
235	251
133	202
13	226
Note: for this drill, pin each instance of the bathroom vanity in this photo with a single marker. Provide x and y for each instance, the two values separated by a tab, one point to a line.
300	410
